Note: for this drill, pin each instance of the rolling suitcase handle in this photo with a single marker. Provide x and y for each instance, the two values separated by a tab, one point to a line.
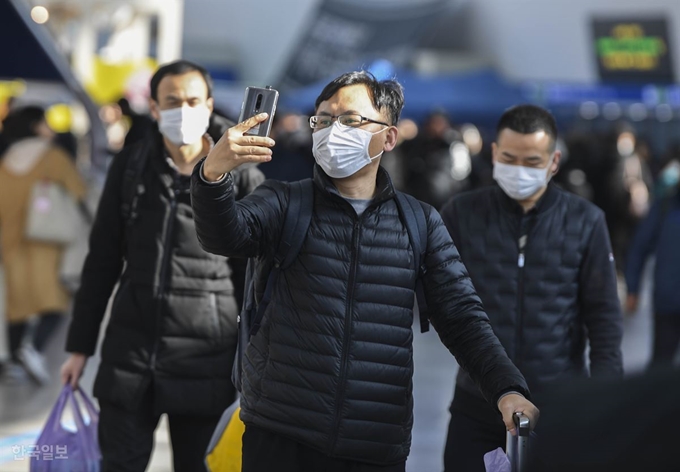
516	446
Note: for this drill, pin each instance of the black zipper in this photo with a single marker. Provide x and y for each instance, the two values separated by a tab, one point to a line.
347	335
520	305
521	262
165	262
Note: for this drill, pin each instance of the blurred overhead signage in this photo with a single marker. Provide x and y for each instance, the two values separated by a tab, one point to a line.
633	50
348	34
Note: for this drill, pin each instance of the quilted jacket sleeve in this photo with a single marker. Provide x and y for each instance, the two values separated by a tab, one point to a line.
247	228
600	304
457	314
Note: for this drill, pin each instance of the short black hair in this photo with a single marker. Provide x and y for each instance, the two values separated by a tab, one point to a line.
529	119
21	122
178	68
387	95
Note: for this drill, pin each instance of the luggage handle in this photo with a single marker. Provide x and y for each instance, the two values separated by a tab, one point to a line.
516	446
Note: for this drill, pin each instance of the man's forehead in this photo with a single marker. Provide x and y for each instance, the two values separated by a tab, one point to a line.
352	97
191	82
538	140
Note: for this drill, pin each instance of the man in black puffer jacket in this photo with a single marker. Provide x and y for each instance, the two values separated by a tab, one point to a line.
171	339
542	264
327	380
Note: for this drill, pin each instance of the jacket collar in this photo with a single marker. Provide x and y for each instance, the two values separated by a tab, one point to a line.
542	205
384	187
163	165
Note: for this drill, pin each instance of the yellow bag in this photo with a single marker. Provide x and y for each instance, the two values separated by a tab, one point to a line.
224	450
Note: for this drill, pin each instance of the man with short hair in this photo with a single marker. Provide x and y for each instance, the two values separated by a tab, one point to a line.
542	263
327	379
171	339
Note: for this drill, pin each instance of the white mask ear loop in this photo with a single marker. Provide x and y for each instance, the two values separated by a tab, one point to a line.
381	152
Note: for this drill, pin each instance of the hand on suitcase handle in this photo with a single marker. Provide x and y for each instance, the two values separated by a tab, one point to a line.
522	424
515	403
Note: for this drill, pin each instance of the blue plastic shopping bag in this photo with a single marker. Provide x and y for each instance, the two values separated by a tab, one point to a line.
67	449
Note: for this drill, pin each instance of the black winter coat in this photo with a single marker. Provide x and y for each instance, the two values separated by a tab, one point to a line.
173	318
332	365
545	303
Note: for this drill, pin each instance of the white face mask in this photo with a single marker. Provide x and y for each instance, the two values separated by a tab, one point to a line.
341	150
520	182
185	125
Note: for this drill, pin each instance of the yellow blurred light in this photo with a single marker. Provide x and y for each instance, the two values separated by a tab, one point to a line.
59	117
11	88
40	15
110	80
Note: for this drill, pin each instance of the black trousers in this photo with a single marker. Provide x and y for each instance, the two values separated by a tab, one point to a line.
126	438
666	338
475	429
264	451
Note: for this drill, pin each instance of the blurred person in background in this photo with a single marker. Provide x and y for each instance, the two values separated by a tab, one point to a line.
31	267
328	379
116	127
60	118
658	235
541	261
575	174
622	190
171	339
429	160
140	125
395	161
668	173
294	160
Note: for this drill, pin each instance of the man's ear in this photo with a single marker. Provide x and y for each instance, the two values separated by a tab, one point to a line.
154	110
556	163
494	152
391	137
210	103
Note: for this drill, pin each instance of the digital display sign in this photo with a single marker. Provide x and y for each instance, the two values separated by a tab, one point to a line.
633	50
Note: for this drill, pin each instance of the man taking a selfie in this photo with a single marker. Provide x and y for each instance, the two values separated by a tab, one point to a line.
327	379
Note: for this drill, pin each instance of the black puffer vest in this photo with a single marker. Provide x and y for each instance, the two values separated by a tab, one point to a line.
173	318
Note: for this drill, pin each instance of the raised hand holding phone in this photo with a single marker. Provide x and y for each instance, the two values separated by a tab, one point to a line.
235	147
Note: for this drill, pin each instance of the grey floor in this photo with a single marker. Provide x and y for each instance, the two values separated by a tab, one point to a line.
24	407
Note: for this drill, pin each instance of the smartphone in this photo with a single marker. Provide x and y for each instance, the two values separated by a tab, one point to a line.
259	100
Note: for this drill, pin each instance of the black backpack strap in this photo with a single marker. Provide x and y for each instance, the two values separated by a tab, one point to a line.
413	217
298	217
295	226
133	188
244	322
